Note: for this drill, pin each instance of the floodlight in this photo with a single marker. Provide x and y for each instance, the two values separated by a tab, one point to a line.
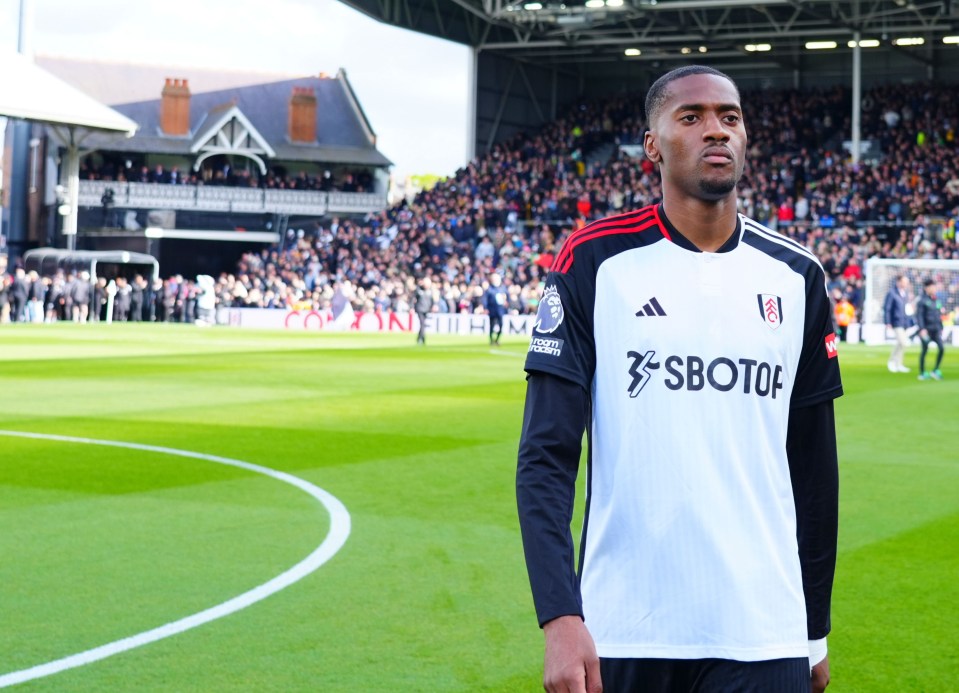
909	41
820	45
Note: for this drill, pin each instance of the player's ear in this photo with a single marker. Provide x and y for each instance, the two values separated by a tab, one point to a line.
651	147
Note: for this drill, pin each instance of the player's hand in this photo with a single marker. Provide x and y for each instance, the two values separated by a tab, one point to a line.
820	676
571	664
923	333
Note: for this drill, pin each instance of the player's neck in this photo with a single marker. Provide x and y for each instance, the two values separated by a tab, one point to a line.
706	224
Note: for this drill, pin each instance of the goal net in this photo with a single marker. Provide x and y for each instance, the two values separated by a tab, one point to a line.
881	277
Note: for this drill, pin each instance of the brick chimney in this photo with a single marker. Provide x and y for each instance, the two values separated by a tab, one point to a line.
175	107
303	115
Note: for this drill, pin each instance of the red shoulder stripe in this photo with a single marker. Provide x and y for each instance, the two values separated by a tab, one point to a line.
629	219
633	222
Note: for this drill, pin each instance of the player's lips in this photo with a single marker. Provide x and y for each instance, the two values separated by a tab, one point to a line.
717	155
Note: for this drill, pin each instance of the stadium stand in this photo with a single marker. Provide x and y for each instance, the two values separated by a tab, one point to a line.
510	210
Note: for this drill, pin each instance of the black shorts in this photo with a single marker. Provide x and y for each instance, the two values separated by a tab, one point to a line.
705	676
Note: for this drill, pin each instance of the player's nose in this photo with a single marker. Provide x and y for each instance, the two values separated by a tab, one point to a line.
714	128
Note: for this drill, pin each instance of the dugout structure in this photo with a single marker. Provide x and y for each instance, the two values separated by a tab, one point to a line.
881	276
99	263
531	60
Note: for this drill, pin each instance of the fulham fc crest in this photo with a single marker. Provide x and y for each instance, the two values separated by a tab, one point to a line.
771	310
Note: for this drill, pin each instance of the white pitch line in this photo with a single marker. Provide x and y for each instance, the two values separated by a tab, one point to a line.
339	531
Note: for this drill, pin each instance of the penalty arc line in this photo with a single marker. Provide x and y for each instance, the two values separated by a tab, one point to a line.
334	541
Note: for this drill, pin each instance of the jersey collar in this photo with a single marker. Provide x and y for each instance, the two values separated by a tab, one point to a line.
676	236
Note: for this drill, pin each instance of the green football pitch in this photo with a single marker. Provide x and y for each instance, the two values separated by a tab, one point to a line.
184	488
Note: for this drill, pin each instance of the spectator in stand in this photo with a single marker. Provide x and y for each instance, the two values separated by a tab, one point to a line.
35	297
188	297
171	289
98	309
65	310
157	305
19	294
81	294
159	175
137	295
122	300
54	298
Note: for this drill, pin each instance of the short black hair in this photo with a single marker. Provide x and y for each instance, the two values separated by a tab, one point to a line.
656	96
929	282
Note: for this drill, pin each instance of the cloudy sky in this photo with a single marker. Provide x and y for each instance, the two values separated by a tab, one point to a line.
412	87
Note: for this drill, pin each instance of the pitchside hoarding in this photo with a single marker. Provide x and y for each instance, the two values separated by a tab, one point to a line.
323	321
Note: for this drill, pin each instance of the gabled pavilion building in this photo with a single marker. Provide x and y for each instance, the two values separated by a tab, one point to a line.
245	164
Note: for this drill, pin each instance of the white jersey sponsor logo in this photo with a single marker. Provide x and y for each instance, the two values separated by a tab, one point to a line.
546	345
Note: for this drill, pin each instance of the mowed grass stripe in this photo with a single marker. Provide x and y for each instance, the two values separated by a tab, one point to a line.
880	501
430	619
898	602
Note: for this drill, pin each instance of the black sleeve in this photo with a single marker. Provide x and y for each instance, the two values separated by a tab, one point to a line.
814	470
554	419
817	375
562	340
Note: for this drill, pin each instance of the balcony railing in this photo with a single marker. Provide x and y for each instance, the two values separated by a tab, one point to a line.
201	198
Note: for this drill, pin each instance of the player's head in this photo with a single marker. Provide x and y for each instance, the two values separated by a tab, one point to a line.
929	286
696	133
902	281
658	93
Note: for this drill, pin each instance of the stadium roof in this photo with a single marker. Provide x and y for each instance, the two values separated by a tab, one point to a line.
29	92
532	59
559	32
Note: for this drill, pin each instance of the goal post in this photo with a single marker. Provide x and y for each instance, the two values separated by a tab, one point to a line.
881	276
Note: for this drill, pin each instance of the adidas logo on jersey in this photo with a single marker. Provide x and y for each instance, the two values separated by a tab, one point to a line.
651	309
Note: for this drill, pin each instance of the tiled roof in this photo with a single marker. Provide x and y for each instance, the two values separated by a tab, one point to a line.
343	133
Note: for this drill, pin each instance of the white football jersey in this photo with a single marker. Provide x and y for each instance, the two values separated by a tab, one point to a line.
693	361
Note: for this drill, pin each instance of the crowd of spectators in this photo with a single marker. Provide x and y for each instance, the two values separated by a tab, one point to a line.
78	297
509	211
222	173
